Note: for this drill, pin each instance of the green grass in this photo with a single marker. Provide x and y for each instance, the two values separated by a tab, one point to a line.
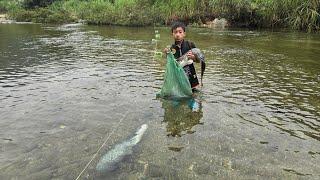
7	5
297	14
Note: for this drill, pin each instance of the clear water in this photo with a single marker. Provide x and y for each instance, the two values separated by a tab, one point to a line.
64	90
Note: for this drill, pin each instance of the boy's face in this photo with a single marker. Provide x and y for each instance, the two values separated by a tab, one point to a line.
178	34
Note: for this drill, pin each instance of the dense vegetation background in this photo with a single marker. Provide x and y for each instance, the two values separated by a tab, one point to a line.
296	14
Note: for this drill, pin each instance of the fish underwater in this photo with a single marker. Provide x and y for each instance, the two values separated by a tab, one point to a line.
113	157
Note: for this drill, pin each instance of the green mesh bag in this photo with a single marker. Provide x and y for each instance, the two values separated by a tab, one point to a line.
176	83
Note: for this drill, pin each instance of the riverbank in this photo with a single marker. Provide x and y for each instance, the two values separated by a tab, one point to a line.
4	20
3	17
298	14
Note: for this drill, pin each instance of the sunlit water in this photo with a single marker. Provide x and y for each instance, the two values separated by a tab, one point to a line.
64	90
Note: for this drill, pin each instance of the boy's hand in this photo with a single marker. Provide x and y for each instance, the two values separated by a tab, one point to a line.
165	50
191	55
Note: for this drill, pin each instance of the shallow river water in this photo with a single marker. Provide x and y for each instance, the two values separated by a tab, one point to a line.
65	90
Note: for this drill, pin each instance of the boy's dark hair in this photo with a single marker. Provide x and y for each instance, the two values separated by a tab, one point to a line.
177	24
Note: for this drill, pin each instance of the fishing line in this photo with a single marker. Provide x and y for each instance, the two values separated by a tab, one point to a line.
94	156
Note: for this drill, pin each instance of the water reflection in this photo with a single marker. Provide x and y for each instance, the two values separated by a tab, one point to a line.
181	115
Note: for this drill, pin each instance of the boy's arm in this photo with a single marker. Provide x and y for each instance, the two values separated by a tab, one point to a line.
196	58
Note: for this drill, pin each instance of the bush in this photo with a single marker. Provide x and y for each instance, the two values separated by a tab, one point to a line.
41	15
7	5
133	12
306	16
60	17
3	6
22	15
98	12
30	4
298	14
121	12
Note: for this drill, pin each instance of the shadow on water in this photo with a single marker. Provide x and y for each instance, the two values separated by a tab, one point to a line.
181	115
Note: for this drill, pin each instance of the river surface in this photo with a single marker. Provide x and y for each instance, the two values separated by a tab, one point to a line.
66	90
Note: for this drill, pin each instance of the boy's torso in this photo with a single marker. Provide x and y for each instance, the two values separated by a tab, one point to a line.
189	69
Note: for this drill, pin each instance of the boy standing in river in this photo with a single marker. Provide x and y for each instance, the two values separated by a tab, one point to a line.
183	47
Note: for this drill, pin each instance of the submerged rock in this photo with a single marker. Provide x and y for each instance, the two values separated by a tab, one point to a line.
152	170
175	148
202	169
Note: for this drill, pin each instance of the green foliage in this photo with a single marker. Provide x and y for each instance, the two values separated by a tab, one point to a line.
7	5
22	15
98	12
132	12
298	14
236	11
28	4
41	15
168	11
306	16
